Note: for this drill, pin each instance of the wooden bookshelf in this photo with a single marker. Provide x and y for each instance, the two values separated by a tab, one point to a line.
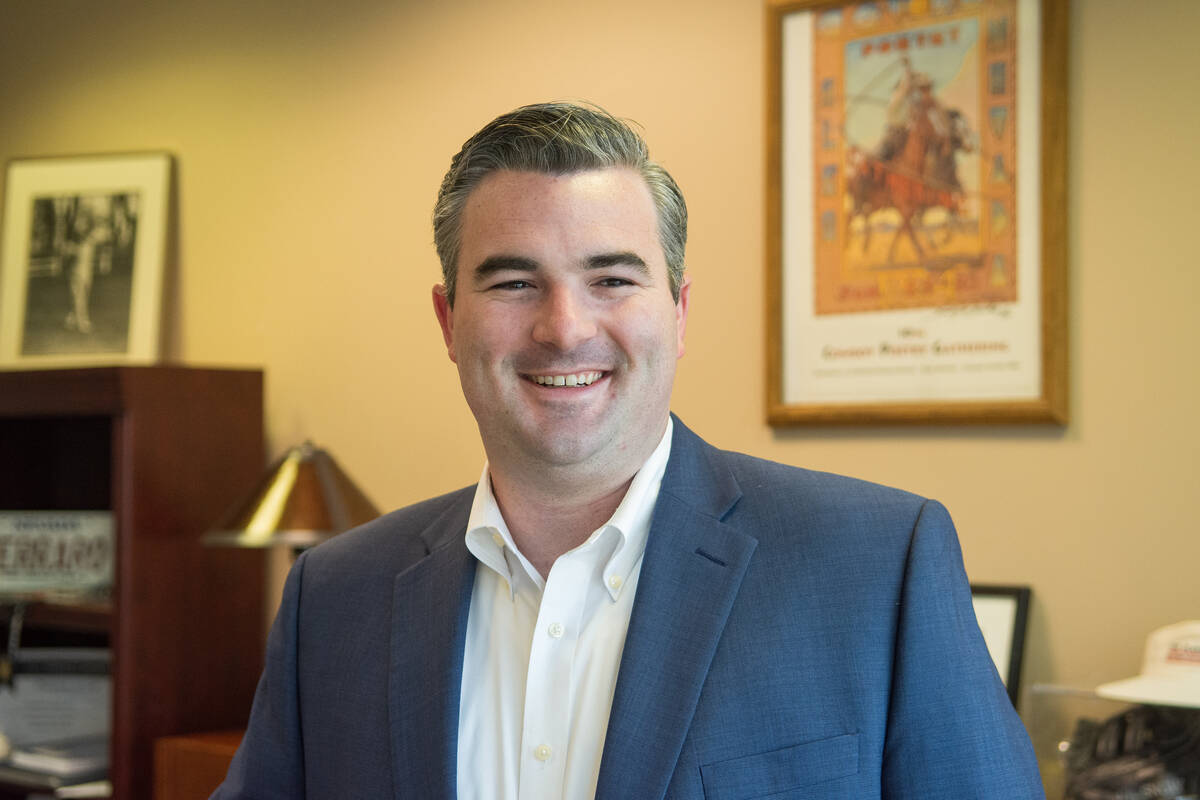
166	450
89	618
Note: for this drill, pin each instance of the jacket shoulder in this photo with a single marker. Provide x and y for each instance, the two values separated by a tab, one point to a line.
398	538
795	512
813	489
729	484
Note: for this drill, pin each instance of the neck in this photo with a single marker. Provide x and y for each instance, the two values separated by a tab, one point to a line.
546	522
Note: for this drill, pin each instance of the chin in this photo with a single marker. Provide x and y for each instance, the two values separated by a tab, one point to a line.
562	453
563	445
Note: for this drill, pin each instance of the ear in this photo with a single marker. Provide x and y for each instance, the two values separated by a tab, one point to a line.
445	316
681	312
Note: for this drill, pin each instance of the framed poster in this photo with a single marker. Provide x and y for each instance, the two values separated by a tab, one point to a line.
81	270
1002	613
916	236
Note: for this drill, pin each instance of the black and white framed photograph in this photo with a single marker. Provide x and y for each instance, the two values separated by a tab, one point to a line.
1002	613
84	247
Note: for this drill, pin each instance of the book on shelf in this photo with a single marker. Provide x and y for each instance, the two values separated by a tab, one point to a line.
65	694
44	784
71	768
75	759
62	661
90	789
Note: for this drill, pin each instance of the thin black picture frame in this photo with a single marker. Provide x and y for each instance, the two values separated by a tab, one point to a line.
1003	615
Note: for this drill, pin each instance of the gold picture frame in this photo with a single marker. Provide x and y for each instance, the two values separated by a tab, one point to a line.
916	211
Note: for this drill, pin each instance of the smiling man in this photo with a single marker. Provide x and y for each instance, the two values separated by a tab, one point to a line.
565	328
618	609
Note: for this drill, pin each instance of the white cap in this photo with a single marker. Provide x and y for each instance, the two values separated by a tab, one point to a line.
1170	670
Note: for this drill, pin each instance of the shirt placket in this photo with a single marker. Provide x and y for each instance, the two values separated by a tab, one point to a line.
548	696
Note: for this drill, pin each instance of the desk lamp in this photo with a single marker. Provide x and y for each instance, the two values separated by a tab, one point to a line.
303	499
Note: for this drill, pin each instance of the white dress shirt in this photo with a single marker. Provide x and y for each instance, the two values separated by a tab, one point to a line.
542	655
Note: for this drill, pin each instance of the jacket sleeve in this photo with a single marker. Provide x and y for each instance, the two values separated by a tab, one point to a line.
952	731
270	761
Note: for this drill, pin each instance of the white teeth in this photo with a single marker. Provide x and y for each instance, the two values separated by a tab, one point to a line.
578	379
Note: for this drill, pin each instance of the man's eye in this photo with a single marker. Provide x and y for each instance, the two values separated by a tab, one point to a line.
614	282
511	285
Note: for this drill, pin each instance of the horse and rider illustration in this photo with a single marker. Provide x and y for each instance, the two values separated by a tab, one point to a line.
912	170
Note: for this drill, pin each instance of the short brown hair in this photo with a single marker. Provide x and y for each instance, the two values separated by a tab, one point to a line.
555	139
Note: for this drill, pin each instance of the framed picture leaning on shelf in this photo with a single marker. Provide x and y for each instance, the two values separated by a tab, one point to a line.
81	269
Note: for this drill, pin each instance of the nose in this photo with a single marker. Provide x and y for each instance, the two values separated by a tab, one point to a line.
563	320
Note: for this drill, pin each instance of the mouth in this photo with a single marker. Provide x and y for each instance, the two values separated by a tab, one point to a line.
567	379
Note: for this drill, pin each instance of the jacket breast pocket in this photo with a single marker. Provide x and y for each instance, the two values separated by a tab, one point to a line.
776	771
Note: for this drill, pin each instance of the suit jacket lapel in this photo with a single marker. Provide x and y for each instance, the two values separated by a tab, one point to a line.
691	573
428	640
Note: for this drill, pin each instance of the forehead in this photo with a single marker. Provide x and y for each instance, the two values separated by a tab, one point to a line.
592	210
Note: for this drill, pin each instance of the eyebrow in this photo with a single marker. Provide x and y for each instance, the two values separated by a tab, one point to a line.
623	258
502	263
494	264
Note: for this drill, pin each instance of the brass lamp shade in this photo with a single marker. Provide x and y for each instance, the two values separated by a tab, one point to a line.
302	500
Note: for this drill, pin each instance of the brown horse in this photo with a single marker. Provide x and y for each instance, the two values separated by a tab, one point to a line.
922	175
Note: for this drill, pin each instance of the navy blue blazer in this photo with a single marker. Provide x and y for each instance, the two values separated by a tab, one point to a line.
795	635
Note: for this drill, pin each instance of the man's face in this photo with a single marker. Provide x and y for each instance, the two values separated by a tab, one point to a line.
564	329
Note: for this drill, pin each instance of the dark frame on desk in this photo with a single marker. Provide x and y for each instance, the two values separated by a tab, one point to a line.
1013	603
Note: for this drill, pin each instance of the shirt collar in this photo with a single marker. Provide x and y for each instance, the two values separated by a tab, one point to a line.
490	541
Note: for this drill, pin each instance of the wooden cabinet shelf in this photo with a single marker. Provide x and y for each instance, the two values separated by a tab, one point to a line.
89	618
165	450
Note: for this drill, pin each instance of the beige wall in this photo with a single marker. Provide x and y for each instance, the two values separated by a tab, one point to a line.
310	144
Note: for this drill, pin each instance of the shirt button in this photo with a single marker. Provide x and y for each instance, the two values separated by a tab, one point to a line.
614	582
555	630
498	539
542	752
